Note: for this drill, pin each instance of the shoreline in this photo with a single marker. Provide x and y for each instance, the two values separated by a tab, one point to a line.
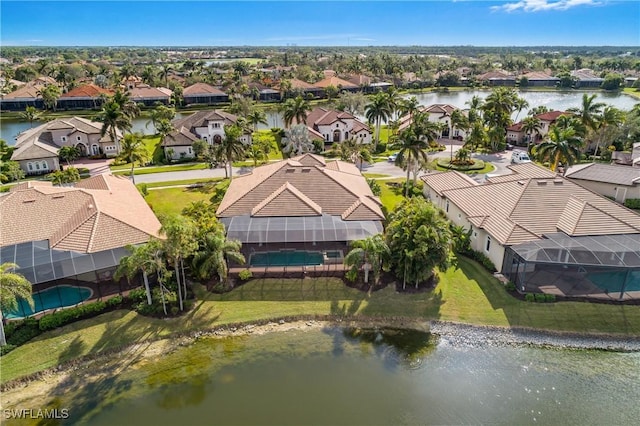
450	333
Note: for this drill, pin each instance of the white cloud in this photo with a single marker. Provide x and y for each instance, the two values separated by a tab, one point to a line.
542	5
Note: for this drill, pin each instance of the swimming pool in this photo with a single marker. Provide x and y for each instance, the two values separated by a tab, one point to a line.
612	282
51	298
286	258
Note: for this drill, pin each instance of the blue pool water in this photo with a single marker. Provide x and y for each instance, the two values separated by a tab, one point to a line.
286	258
612	281
51	298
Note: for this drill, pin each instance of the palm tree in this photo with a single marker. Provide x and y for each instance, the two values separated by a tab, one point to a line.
369	253
213	255
477	136
133	150
475	108
588	111
68	154
160	112
148	75
611	117
164	73
128	107
296	141
531	125
179	244
377	111
256	117
393	100
519	105
458	121
562	145
113	119
149	259
232	146
164	128
295	109
30	114
12	287
256	153
49	94
412	150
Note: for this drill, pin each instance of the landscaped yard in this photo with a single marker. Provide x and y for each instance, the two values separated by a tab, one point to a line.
468	295
172	200
125	169
179	182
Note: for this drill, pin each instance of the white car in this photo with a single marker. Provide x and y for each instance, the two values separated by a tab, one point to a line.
519	157
392	158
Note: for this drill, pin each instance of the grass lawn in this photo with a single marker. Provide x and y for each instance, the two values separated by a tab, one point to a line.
391	196
124	170
172	200
488	168
468	294
375	175
180	182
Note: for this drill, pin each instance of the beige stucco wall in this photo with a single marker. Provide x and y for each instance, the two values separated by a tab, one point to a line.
618	192
178	151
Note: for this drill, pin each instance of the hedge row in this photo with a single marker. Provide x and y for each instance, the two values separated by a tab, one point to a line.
632	203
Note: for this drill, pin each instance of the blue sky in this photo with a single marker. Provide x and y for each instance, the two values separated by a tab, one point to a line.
320	23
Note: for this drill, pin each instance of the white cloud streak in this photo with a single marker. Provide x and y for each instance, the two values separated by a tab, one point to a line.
544	5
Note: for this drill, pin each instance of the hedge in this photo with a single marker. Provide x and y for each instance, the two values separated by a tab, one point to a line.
632	203
445	163
65	316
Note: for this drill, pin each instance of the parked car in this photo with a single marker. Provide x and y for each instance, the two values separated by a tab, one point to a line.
392	158
509	147
519	157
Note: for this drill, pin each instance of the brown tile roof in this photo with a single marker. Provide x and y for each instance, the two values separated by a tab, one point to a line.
100	213
335	82
495	75
30	90
517	127
551	115
523	210
145	91
321	117
202	89
202	118
34	151
180	137
523	171
299	84
618	175
444	181
360	80
537	75
87	91
303	186
309	159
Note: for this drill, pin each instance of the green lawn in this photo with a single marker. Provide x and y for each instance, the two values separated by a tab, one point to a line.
374	175
124	169
467	294
172	200
180	182
488	168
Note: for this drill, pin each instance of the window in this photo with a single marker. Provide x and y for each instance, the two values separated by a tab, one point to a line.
447	207
63	139
459	216
37	166
78	138
30	166
45	166
488	246
190	150
337	125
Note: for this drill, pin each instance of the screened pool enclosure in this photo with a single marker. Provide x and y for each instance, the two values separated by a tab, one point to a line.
64	278
604	266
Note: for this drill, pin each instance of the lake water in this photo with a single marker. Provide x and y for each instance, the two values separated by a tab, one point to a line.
351	377
9	129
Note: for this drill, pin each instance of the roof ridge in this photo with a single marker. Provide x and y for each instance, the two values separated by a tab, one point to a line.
63	233
287	186
351	208
630	225
326	171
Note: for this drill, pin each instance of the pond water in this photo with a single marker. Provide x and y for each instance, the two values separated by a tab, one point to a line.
347	376
554	100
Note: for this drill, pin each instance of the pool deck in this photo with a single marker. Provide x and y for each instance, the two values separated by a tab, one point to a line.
336	269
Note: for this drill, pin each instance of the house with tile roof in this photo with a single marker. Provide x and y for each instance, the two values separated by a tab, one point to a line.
540	79
150	96
338	83
302	88
37	149
613	181
207	125
512	219
305	204
74	236
26	95
497	78
437	113
337	126
516	135
585	77
87	96
203	93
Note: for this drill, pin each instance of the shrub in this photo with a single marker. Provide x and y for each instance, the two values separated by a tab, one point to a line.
19	333
114	301
632	203
6	349
482	259
510	286
549	298
351	275
144	189
66	316
138	295
245	274
529	297
380	148
539	297
143	308
375	187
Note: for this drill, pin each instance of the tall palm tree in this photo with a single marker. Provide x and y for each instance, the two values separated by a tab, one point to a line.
214	254
588	111
30	114
412	150
475	108
256	117
458	121
180	243
519	105
232	146
128	107
164	73
295	109
611	117
393	100
562	145
12	287
370	253
133	150
113	119
531	125
477	136
149	259
68	154
158	113
377	111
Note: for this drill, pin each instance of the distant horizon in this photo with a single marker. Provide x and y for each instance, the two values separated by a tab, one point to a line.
492	23
326	46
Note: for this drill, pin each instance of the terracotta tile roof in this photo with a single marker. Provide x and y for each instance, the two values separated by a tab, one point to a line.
333	191
30	90
87	91
444	110
100	213
202	89
618	175
522	210
444	181
322	117
335	82
299	84
145	91
517	127
360	80
585	74
551	115
523	171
